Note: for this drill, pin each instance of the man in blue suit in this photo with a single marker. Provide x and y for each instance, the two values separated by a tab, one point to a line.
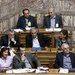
65	59
52	20
26	20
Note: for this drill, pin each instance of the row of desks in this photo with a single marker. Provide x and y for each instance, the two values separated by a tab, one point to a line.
51	72
53	35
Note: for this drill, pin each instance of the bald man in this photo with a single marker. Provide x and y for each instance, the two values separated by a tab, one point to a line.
37	41
65	59
52	20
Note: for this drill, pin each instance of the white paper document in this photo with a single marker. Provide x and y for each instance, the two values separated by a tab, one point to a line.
62	70
42	70
49	29
18	30
53	29
20	70
57	29
28	28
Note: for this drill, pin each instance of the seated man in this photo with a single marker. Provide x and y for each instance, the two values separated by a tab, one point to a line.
52	20
10	40
25	60
26	20
37	41
65	59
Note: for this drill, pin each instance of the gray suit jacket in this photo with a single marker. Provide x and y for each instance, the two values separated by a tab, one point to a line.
18	63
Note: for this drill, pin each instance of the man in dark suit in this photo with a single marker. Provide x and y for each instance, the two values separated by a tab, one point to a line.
37	41
25	60
10	40
26	20
52	20
65	59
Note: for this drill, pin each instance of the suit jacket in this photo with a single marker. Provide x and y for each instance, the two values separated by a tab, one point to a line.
4	41
43	40
47	19
22	22
18	63
59	60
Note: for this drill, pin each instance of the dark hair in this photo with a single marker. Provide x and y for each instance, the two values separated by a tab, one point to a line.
65	32
25	10
3	50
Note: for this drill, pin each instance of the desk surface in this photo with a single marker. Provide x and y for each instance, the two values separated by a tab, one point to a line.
51	72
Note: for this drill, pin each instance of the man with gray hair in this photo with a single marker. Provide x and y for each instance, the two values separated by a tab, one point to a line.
65	59
37	41
10	40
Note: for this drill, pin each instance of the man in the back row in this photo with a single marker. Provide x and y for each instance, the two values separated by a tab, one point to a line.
52	20
26	20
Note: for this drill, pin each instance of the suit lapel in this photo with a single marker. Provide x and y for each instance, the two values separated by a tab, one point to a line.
29	60
56	21
39	39
61	59
24	21
19	57
49	22
7	42
71	59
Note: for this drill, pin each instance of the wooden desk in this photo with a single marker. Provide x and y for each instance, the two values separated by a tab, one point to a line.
38	74
51	72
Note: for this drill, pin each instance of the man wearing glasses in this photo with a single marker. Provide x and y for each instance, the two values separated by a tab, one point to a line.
65	59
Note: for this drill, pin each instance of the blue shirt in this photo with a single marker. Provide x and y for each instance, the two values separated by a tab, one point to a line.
52	23
67	62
